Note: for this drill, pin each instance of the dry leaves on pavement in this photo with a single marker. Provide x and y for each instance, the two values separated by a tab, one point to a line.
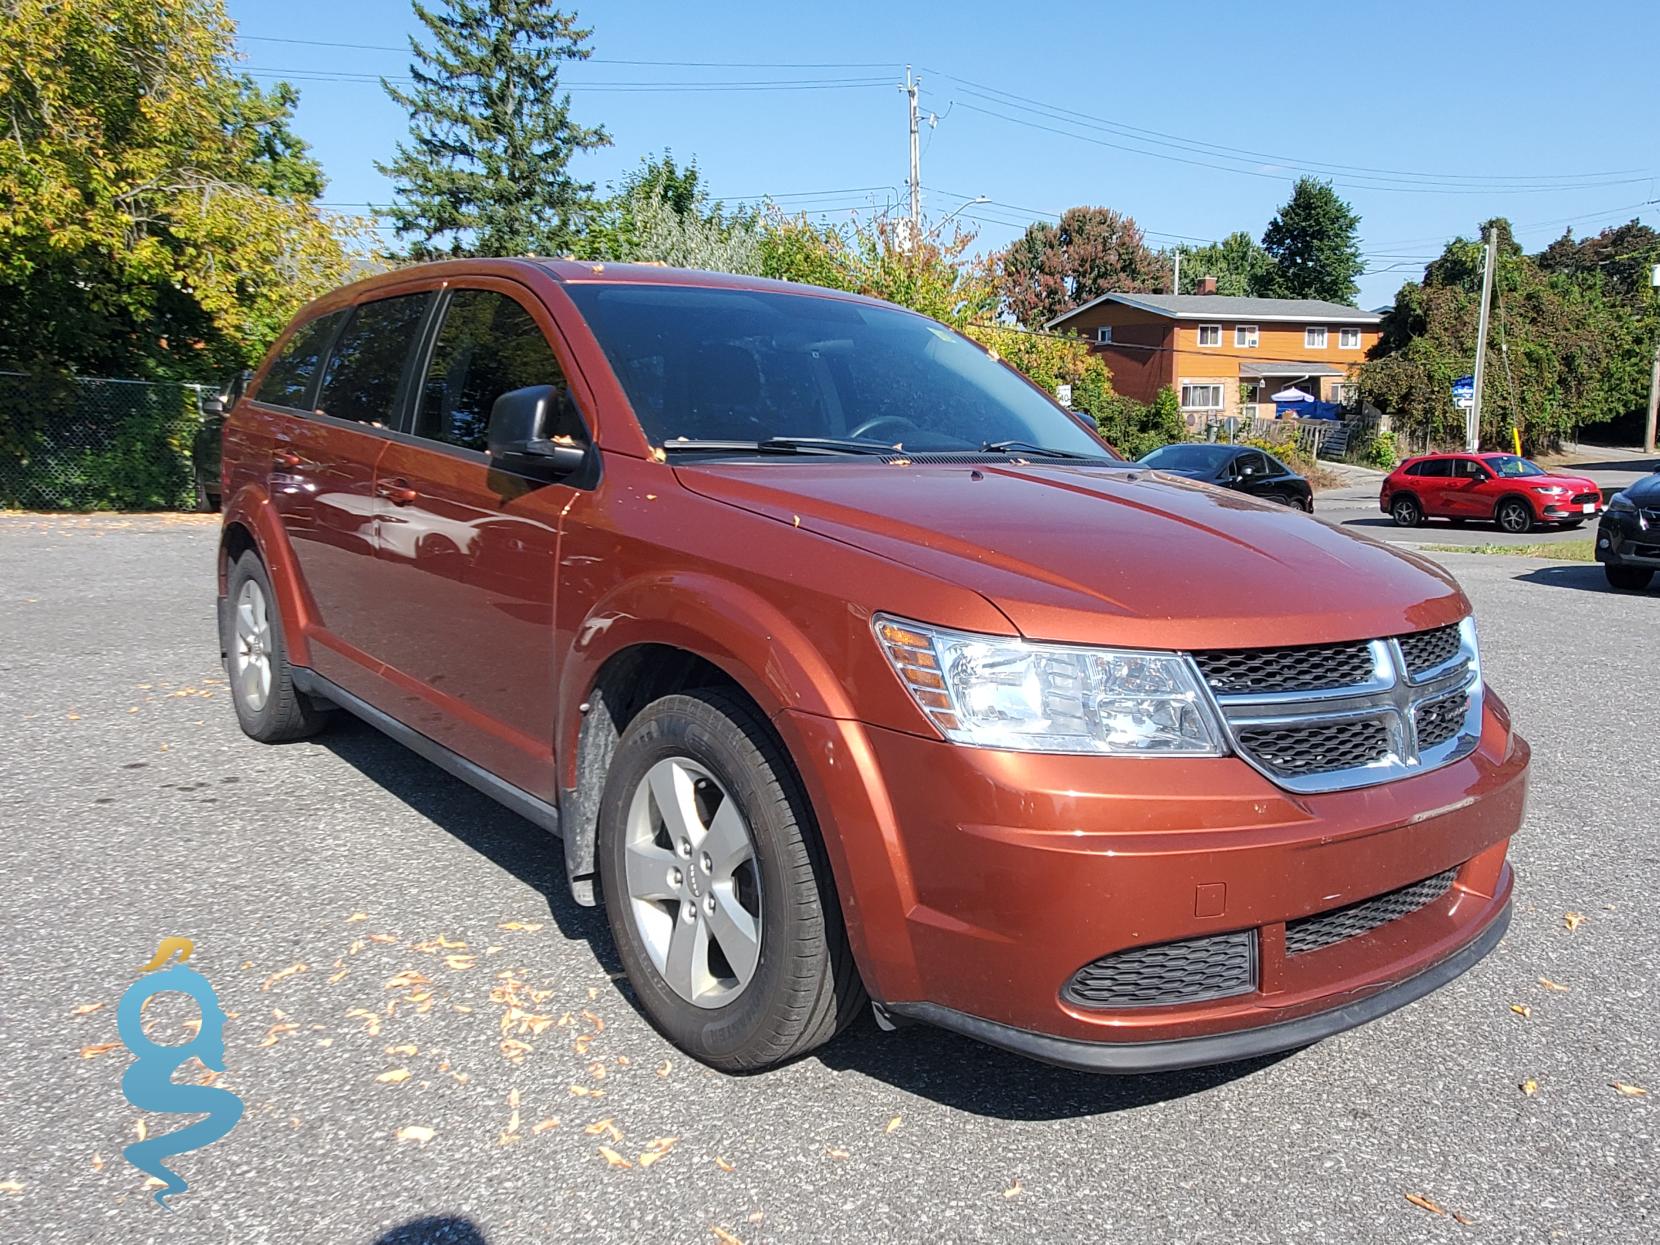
397	1076
417	1133
1548	984
86	1009
1530	1087
1573	920
100	1048
1628	1091
282	973
612	1158
1522	1010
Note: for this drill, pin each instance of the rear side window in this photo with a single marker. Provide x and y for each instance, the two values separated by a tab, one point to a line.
365	369
288	380
488	345
1439	467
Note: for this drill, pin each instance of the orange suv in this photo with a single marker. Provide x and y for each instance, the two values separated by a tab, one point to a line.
845	664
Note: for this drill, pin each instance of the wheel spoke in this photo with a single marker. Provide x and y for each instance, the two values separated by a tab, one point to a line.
671	785
251	684
245	623
650	872
686	968
727	841
737	932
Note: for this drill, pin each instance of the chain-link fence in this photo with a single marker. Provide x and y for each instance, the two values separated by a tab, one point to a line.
85	443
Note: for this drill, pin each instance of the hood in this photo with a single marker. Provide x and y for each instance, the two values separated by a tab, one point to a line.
1086	554
1574	484
1644	492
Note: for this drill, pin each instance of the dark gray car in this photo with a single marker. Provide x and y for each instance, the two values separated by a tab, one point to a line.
1628	537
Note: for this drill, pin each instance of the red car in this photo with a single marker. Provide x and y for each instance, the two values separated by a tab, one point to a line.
845	664
1511	491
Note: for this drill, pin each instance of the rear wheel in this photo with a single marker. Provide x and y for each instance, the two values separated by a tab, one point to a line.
716	887
1406	511
1513	516
1632	578
268	705
1305	504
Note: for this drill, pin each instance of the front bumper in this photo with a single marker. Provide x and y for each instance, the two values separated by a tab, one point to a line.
1626	539
977	883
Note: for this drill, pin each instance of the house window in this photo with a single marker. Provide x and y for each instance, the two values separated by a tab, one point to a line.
1210	334
1245	336
1201	397
1314	337
1103	335
1348	339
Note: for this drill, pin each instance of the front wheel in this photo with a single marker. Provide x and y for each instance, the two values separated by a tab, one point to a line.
1513	516
268	705
1406	511
1631	578
717	889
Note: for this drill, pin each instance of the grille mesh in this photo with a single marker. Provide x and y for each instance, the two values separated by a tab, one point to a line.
1305	669
1439	720
1323	930
1426	650
1172	972
1316	747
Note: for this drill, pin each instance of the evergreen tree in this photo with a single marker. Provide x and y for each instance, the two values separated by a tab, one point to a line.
486	170
1314	240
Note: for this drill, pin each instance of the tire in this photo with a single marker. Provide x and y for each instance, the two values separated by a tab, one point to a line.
268	705
1305	504
1513	516
207	502
1406	511
708	750
1630	578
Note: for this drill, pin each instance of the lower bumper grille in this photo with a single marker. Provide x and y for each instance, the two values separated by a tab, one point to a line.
1312	933
1172	972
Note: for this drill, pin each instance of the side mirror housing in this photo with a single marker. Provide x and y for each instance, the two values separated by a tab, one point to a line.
518	436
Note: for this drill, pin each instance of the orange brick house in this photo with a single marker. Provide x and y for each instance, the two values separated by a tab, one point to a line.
1221	354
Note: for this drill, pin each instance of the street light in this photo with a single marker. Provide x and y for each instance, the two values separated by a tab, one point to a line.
975	201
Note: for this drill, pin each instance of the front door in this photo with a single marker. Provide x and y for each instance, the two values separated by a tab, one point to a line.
468	556
1466	498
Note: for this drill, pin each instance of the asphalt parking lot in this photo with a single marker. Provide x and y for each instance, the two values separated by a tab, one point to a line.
370	922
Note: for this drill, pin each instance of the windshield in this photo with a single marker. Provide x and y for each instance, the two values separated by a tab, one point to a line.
1511	466
746	365
1205	459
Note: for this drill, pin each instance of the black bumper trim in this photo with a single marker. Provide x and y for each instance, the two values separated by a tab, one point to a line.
1194	1052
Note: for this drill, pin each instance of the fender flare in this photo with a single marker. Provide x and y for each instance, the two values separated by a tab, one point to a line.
251	509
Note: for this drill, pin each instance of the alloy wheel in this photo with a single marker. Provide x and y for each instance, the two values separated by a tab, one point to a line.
693	888
251	654
1514	518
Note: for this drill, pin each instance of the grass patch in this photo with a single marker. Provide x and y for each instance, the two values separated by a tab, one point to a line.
1560	551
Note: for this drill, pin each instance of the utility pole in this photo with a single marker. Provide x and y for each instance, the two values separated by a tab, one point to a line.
1653	381
910	89
1176	276
1472	421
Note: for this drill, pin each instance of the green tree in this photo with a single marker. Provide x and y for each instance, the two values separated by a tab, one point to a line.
1240	266
156	208
1314	241
661	213
1051	269
486	170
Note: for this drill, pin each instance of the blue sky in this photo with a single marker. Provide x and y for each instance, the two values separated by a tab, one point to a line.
1537	112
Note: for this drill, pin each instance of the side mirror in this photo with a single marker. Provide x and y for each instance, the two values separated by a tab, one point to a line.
518	435
234	391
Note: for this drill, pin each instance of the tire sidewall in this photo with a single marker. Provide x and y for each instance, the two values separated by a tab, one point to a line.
673	729
255	722
1507	506
1406	512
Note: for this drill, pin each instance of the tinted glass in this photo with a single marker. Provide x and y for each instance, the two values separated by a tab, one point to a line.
1435	467
487	345
747	365
1509	466
288	382
1201	458
366	365
1251	463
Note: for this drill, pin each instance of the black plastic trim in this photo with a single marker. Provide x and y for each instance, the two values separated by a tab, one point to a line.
528	806
1135	1057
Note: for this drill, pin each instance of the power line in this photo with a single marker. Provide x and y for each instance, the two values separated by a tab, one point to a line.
825	84
592	60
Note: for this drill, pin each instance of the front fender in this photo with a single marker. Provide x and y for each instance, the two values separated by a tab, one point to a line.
250	509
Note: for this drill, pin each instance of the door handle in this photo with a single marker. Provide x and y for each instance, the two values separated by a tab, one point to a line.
397	492
285	460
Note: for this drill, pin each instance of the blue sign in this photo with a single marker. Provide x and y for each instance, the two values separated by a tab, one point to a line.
1464	387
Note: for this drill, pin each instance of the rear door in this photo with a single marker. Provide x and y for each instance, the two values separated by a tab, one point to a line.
1432	483
322	481
468	556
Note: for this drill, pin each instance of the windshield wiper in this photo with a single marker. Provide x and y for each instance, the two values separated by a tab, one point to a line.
784	445
1014	446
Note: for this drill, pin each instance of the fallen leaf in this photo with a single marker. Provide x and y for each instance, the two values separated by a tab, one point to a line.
1573	920
101	1048
604	1126
663	1068
723	1164
514	1049
893	1125
520	927
370	1020
275	1032
1628	1091
382	938
1521	1009
543	1126
141	1129
280	974
1551	985
582	1091
397	1076
13	1187
1460	1217
835	1152
337	978
1419	1200
97	1162
1014	1190
612	1158
357	916
86	1009
599	1025
723	1236
455	963
1530	1087
656	1149
416	1132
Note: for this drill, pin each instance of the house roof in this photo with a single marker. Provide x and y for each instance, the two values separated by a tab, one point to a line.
1229	307
1263	370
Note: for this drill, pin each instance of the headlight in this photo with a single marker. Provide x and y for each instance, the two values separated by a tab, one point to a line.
1550	490
1003	692
1619	501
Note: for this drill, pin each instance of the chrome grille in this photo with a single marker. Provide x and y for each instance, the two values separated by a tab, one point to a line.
1172	972
1302	669
1428	650
1330	717
1311	933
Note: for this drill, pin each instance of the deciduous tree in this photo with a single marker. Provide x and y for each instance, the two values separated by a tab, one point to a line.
1053	268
